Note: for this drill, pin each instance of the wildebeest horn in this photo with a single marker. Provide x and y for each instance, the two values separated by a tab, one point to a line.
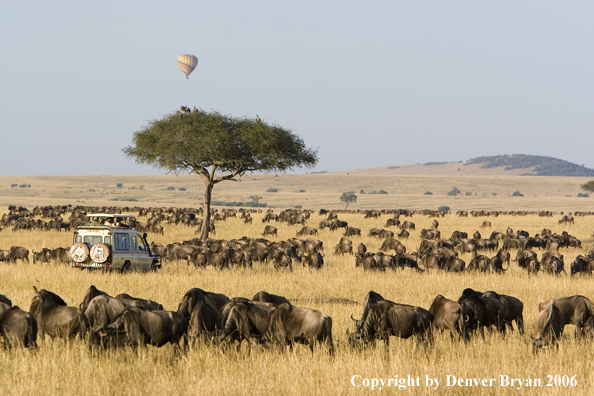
354	320
467	319
36	291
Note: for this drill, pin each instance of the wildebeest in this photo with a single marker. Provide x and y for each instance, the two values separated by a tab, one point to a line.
566	219
137	326
498	260
55	318
577	310
58	255
392	244
383	318
313	260
307	231
480	312
269	230
244	320
479	262
403	234
514	309
128	299
282	260
583	265
351	231
447	314
91	294
269	298
194	295
288	324
204	321
451	264
548	328
19	328
344	246
5	256
407	225
552	262
5	300
19	253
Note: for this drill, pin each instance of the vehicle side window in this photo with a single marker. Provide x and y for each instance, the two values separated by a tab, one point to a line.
107	240
77	239
141	245
133	244
121	241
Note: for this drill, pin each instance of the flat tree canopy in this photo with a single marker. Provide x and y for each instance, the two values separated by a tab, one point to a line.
588	186
217	147
348	197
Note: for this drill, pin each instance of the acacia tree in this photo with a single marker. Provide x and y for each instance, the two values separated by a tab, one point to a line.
348	197
218	148
589	187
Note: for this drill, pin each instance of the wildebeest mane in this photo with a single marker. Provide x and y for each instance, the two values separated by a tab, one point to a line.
44	301
103	309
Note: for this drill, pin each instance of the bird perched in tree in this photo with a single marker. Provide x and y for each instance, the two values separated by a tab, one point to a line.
195	109
258	118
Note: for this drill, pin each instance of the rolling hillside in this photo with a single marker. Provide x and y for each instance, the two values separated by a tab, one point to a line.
497	165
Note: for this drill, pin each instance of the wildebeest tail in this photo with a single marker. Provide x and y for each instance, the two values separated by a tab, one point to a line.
325	334
31	336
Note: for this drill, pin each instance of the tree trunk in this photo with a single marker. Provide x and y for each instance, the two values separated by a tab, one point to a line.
208	184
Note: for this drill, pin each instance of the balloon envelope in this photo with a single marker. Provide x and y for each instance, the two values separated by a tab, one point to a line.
187	63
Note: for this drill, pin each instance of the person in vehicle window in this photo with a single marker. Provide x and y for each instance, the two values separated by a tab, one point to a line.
97	221
119	223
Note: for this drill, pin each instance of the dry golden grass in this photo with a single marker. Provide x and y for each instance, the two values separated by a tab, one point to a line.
57	368
319	191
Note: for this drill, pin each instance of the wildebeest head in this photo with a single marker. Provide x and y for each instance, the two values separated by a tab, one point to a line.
113	335
91	294
189	301
371	299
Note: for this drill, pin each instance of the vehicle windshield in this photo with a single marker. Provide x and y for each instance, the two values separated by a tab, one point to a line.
90	240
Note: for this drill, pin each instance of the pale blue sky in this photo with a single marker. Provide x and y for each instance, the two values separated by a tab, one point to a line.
372	83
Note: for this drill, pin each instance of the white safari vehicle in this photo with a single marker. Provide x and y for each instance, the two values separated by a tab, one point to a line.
110	242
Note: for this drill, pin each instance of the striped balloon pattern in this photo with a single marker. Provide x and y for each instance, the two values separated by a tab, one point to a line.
187	63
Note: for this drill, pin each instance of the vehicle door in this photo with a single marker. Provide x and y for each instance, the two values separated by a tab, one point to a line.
122	243
143	259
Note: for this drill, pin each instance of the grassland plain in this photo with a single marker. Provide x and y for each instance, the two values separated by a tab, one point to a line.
310	191
59	368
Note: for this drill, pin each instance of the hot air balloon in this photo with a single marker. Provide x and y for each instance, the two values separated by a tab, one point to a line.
187	63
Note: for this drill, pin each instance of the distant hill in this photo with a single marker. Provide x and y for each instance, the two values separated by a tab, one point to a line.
496	165
535	165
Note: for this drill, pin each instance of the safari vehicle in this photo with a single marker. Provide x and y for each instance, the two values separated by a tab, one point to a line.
110	242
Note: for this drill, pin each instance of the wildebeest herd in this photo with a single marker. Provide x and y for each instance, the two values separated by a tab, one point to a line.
268	320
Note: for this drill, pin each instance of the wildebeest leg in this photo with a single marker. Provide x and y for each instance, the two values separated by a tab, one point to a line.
453	330
520	324
579	332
